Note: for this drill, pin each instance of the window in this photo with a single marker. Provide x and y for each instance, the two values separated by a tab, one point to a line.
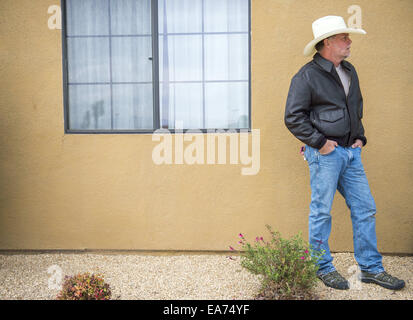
140	65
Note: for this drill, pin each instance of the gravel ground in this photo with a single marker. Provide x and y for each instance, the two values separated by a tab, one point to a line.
178	276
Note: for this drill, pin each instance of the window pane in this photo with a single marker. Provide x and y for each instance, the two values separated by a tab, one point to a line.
182	103
88	60
182	61
130	59
132	106
226	57
131	17
226	105
226	15
181	16
87	17
90	107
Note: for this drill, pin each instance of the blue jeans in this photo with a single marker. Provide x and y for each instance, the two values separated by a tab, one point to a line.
342	170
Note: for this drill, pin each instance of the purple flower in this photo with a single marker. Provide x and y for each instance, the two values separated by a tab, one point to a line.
231	248
302	258
306	251
241	235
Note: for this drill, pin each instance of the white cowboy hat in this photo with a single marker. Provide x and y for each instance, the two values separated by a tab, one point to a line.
326	27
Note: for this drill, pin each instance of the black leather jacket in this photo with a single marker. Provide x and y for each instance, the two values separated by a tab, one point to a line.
317	108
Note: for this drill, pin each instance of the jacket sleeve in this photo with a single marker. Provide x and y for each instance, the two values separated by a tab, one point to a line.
297	113
360	134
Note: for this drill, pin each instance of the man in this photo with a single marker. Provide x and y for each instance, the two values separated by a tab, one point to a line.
324	110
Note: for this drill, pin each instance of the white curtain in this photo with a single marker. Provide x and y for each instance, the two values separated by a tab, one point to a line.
109	71
204	72
203	64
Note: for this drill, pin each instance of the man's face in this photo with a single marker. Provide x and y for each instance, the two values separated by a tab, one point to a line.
340	45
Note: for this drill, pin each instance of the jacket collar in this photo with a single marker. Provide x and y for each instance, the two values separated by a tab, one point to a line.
327	65
346	65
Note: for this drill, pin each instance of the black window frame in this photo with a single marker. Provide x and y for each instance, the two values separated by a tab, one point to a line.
155	82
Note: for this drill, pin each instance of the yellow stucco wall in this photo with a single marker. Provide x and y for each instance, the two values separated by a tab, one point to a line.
62	191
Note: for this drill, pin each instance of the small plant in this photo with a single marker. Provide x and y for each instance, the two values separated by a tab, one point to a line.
288	266
85	287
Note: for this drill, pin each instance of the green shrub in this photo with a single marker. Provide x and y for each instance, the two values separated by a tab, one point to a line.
288	266
85	287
